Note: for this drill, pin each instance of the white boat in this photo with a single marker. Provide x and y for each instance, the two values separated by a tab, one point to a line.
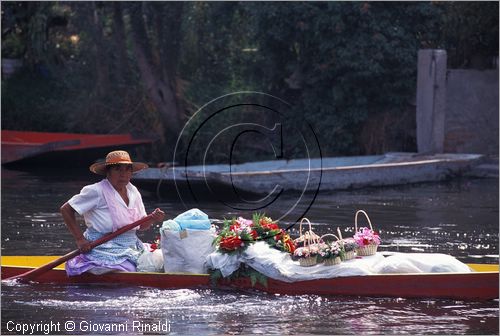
305	175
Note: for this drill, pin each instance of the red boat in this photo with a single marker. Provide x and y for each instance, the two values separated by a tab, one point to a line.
63	149
481	284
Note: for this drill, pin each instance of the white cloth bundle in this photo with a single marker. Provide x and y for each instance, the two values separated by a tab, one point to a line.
280	266
186	250
420	263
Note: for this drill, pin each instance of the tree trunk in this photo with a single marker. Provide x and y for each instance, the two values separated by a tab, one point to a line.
121	66
102	72
160	91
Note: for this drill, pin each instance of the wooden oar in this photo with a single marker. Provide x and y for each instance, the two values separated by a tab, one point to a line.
42	269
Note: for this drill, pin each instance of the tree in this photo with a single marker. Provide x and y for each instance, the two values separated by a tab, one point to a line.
156	77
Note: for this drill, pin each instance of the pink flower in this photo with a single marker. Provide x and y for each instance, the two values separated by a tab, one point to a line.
365	236
244	222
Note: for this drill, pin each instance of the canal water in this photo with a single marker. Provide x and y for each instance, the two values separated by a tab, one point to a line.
458	217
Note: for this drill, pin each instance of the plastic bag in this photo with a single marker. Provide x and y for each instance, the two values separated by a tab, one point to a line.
194	219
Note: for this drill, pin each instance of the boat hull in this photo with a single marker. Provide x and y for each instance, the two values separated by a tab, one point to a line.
464	286
318	174
67	149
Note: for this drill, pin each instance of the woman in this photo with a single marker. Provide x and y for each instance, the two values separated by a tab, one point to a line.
107	206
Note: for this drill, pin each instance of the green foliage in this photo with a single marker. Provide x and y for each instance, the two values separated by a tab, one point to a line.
33	102
339	62
341	65
243	272
469	32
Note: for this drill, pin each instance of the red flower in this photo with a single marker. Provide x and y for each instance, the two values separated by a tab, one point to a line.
230	243
235	227
268	225
254	234
153	247
279	236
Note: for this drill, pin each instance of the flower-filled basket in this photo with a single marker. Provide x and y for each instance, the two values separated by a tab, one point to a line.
307	253
348	246
330	253
366	239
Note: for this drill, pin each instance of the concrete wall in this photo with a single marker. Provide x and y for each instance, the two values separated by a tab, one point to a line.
457	110
471	119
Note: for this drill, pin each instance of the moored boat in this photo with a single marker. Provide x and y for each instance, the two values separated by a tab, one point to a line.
67	149
481	284
334	173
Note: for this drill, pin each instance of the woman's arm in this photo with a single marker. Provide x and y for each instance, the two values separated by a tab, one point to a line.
68	214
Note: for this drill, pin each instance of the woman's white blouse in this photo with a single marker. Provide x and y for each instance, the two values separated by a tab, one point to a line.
91	204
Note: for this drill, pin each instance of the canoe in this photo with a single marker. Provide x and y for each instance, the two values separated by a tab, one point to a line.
482	284
333	173
66	149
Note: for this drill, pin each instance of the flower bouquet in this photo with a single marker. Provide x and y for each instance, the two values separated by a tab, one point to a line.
235	235
269	231
348	246
307	254
284	242
266	228
330	253
366	239
238	233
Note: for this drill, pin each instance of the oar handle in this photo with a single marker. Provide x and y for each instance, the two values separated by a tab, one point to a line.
42	269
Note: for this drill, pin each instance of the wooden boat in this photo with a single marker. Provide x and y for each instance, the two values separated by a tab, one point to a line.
482	284
64	149
333	173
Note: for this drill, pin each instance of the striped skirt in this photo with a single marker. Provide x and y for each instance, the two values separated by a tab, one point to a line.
118	254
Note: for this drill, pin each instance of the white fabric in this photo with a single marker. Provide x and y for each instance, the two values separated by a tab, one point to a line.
150	261
90	203
227	264
186	250
420	263
280	266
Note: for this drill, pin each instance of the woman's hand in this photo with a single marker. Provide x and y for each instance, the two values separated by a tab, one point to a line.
157	216
83	245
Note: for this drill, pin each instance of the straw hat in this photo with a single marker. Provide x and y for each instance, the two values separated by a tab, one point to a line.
116	157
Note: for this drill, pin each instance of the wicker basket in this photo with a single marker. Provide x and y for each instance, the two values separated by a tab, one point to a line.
309	261
346	255
349	255
336	260
309	234
332	261
308	239
366	250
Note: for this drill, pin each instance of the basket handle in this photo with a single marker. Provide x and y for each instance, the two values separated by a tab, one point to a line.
341	240
329	234
309	234
356	220
340	233
300	225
